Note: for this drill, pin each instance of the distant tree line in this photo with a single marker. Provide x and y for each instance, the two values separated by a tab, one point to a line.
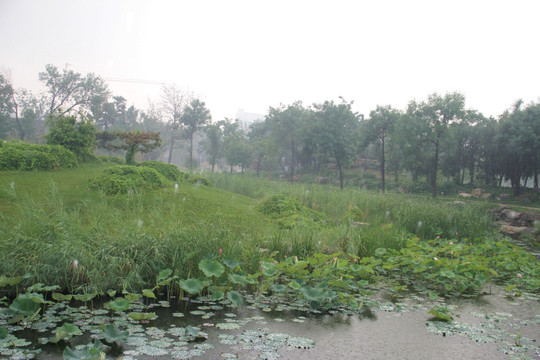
431	138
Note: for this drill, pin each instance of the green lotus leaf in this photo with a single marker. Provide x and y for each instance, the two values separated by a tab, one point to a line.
217	295
10	281
235	298
111	293
269	269
164	277
211	268
149	293
231	263
3	332
118	304
314	293
92	351
238	279
84	297
278	288
294	285
380	252
132	297
61	297
192	286
25	304
66	331
112	333
142	316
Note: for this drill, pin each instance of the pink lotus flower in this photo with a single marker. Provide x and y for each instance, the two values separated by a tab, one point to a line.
451	243
220	250
519	276
75	264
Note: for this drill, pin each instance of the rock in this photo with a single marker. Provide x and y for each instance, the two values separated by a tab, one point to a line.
486	196
458	203
359	224
513	215
477	192
465	195
512	231
503	197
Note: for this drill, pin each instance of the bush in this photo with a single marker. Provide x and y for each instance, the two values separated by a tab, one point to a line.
288	212
123	179
197	179
115	160
170	171
19	155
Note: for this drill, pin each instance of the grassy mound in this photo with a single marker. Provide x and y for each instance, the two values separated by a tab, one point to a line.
125	179
288	212
18	155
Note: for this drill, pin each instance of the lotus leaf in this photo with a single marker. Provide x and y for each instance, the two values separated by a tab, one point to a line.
26	304
211	268
66	331
192	286
231	263
149	293
112	333
238	279
269	269
3	332
142	316
235	298
118	304
61	297
132	297
10	281
217	294
316	294
278	288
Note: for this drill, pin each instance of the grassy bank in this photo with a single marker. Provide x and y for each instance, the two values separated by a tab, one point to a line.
49	219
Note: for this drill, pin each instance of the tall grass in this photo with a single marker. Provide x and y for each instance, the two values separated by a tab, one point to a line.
50	219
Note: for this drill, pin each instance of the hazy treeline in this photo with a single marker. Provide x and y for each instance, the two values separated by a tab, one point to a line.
434	137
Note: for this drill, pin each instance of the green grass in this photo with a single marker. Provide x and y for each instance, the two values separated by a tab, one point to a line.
49	219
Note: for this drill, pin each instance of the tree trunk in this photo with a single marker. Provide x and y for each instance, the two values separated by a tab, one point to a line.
171	148
258	165
435	168
191	152
382	164
340	175
292	161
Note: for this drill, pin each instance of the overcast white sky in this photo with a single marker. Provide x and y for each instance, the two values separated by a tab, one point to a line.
255	54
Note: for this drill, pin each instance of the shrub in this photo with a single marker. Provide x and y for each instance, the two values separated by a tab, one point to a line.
123	179
197	179
170	171
112	160
288	212
18	155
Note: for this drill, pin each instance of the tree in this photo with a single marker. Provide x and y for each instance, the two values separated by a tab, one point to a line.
173	104
336	131
68	90
195	116
379	126
213	143
258	139
78	136
286	126
519	139
131	141
114	115
434	117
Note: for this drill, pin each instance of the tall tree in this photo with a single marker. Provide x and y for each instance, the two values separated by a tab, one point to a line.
195	117
336	131
68	90
286	126
258	138
213	143
77	135
173	104
379	126
434	116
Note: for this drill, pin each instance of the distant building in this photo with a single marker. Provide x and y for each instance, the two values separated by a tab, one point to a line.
246	118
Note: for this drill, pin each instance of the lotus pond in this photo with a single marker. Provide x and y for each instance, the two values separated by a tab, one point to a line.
438	298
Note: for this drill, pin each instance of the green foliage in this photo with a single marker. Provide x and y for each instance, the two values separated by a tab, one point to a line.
18	155
170	171
113	160
76	135
288	212
125	179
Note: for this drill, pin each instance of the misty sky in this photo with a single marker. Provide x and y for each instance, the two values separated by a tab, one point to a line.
255	54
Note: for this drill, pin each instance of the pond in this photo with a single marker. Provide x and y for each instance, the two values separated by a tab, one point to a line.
487	327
